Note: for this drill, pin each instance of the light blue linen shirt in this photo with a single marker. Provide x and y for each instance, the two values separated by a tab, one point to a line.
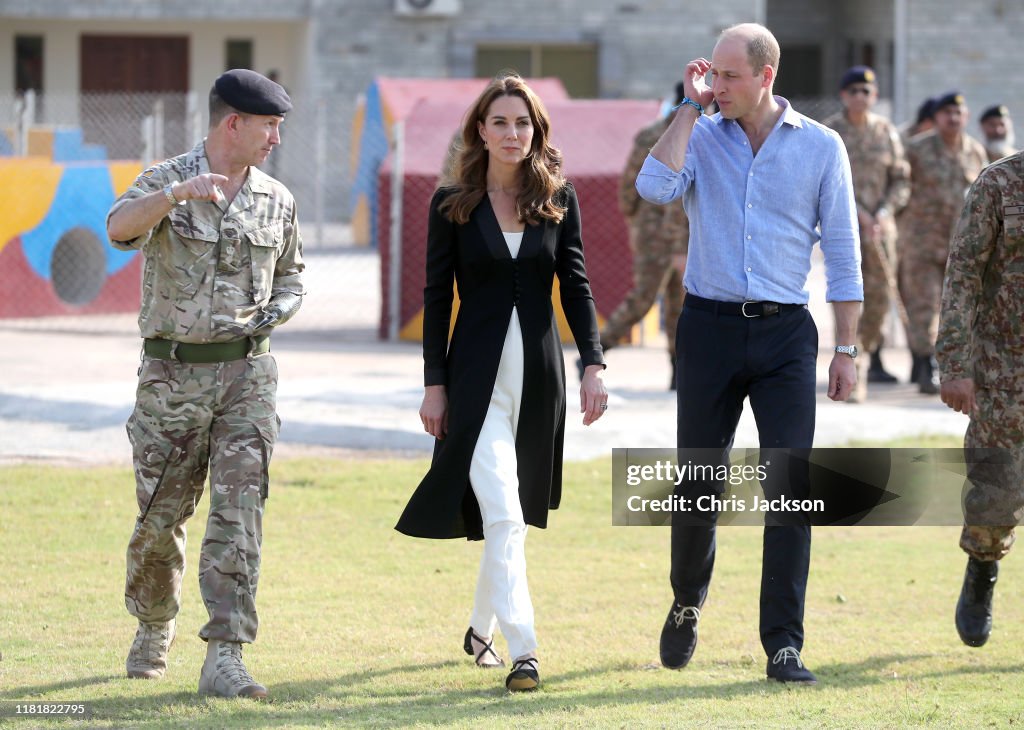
755	219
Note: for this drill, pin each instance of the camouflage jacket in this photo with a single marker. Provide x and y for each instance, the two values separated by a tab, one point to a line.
668	223
881	173
981	330
209	270
939	179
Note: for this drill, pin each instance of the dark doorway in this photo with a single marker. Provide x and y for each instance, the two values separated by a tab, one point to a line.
122	80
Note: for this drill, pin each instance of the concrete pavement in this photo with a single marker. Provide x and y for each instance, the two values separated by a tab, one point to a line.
65	395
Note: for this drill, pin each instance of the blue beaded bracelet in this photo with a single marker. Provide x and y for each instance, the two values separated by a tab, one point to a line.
687	100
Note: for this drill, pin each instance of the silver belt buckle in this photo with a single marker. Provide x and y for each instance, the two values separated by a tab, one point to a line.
743	310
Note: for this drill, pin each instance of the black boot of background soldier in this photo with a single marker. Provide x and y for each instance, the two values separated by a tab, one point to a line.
877	372
927	375
974	609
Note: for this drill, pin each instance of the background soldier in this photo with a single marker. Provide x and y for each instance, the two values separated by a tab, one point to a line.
223	266
943	162
658	237
981	357
997	127
881	186
923	122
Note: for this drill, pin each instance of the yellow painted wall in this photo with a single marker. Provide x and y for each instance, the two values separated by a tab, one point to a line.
27	187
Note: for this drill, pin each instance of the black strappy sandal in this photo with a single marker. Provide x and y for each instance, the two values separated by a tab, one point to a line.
488	648
524	677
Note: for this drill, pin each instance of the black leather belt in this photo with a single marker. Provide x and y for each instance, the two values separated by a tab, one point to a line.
750	310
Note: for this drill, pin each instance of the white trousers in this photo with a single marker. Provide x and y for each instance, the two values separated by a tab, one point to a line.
502	594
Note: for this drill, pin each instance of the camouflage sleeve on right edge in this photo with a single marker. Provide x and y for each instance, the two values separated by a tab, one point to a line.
970	249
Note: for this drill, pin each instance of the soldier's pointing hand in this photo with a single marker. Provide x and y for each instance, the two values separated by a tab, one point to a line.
201	187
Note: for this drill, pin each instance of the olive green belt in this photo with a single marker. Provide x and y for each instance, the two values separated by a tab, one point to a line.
189	352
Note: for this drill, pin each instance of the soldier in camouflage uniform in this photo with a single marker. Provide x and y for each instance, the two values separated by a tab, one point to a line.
223	266
997	128
881	187
981	359
923	122
658	237
943	163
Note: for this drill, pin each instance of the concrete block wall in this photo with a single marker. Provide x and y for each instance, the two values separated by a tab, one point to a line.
643	46
974	47
157	9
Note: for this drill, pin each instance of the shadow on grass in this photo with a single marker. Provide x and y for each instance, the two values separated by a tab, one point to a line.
416	693
41	690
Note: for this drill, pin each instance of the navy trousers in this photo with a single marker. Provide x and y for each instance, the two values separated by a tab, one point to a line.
721	360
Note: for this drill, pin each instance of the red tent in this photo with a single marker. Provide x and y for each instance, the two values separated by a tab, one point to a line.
595	137
389	100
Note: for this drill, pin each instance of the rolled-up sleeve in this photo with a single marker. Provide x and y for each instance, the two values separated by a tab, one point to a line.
658	183
840	236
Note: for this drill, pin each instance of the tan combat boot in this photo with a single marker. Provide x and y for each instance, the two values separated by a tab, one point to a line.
224	674
147	659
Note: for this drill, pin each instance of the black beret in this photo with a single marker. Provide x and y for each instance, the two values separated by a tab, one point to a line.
857	75
995	111
252	93
950	98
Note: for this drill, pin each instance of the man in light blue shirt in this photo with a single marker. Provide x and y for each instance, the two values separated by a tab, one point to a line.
761	184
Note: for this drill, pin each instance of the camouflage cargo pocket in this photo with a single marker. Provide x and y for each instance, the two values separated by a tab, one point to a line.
267	431
186	264
263	247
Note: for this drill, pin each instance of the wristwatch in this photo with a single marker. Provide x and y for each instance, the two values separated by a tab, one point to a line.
169	194
850	350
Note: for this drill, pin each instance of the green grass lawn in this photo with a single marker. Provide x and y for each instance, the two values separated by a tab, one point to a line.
362	626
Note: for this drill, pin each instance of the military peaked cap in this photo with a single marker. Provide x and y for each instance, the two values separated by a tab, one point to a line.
950	98
995	111
252	93
858	75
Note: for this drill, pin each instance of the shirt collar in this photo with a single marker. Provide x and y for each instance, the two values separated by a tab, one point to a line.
789	115
196	158
259	181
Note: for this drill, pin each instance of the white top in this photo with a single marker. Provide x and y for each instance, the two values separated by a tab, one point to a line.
513	241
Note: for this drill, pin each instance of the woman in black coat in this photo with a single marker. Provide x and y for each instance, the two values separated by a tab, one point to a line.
495	397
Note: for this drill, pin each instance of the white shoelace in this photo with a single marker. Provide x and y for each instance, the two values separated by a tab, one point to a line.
686	612
787	653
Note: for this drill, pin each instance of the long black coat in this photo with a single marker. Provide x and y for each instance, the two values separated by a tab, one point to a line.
490	283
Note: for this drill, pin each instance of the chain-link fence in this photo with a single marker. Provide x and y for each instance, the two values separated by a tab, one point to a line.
69	156
66	157
595	138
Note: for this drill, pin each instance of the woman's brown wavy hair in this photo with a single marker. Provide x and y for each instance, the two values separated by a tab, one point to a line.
540	172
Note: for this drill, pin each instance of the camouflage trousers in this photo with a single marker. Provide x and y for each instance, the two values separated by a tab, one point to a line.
877	290
653	272
191	419
921	286
994	501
